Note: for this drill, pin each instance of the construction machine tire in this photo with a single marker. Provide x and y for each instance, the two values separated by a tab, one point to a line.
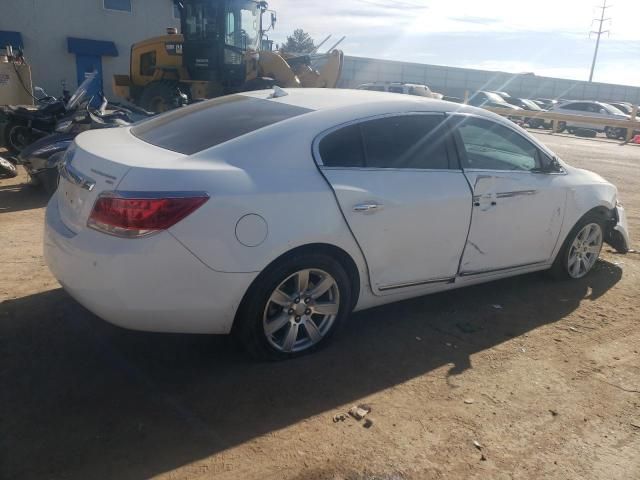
159	96
260	83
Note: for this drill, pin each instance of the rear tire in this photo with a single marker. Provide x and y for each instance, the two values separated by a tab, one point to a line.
287	312
16	137
580	250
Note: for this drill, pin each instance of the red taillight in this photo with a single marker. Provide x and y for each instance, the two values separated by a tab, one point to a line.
128	216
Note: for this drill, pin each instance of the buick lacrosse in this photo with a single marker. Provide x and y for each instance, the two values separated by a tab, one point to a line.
273	215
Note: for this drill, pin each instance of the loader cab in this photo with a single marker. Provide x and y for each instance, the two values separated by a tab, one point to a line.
217	33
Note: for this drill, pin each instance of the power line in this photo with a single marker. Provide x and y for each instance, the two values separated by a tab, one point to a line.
599	33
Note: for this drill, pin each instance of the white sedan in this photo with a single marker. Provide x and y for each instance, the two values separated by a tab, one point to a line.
273	215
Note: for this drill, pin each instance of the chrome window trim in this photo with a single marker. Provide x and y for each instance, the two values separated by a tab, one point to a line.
315	148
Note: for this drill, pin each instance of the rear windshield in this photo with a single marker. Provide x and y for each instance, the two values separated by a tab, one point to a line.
189	130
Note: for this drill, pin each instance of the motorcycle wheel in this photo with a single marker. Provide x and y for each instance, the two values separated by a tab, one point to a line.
7	169
16	137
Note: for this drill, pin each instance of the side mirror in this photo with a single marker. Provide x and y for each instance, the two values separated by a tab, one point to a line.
552	166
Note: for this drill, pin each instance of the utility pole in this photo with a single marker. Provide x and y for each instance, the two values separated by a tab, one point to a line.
599	33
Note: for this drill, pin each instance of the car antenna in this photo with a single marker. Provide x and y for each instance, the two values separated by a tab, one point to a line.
278	92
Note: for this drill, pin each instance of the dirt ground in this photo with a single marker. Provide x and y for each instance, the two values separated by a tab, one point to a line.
543	375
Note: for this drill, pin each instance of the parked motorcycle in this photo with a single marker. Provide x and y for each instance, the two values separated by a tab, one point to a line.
41	158
26	123
7	169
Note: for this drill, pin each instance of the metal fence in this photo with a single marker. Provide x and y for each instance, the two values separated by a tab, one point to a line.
455	81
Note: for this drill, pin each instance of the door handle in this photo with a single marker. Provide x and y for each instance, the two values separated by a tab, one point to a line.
367	207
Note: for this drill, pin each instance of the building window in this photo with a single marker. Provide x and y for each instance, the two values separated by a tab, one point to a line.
119	5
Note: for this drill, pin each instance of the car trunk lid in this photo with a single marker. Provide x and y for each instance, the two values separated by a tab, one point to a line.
97	162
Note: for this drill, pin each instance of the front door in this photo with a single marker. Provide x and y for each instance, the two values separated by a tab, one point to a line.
401	191
85	66
517	209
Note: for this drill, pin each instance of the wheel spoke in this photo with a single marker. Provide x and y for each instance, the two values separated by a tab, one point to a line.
291	337
326	308
593	235
276	324
574	267
583	266
325	284
280	298
594	249
312	330
302	281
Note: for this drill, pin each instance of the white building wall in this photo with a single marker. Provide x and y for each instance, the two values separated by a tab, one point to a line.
46	24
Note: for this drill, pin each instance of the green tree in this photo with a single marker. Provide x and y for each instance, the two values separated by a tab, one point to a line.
300	42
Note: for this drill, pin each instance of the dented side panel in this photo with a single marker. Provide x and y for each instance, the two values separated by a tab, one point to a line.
516	221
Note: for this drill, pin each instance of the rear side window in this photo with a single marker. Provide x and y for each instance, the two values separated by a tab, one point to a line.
343	148
189	130
396	90
411	141
416	141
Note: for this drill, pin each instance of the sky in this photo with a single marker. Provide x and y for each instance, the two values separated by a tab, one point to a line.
546	37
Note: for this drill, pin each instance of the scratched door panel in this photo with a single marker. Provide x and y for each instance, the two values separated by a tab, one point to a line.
516	220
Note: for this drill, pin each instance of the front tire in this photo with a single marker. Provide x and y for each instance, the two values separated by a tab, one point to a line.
294	307
580	250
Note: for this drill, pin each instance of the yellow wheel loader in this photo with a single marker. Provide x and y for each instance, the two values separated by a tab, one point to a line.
222	49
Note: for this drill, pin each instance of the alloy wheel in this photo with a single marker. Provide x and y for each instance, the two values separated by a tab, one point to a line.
584	250
301	310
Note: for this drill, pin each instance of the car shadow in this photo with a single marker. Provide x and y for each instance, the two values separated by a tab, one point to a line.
15	197
83	399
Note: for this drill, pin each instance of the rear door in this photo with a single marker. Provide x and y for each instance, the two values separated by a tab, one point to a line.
401	190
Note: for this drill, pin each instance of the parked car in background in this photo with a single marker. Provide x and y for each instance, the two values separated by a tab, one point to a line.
484	98
624	107
593	109
199	221
546	103
504	95
530	105
401	87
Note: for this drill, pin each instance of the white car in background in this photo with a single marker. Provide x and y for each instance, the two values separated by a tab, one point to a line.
598	110
274	215
416	89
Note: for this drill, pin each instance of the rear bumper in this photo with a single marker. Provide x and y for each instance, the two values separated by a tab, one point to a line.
619	235
152	284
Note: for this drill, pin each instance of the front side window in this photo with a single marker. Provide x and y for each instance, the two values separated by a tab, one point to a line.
491	146
410	141
119	5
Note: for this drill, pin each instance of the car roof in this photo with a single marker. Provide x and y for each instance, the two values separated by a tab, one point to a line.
323	99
